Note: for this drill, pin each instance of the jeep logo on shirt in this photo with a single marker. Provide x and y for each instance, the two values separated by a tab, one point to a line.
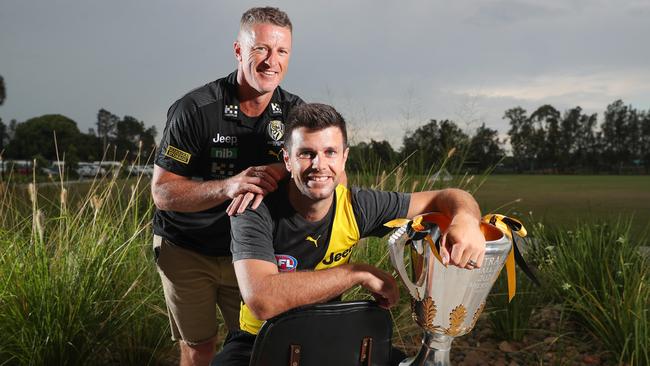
335	257
221	139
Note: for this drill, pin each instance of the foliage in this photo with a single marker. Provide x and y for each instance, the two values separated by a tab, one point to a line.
79	284
430	143
4	136
371	156
549	142
36	136
106	127
130	135
510	320
598	272
485	149
3	91
116	139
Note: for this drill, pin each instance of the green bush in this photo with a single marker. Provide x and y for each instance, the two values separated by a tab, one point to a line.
79	284
598	272
510	320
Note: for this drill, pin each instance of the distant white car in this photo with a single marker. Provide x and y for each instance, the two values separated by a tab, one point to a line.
146	170
90	170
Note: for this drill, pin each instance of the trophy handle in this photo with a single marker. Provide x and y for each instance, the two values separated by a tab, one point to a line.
396	243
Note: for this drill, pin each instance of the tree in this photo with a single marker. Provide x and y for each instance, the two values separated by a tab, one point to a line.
645	139
371	157
568	136
3	91
587	148
431	143
4	137
36	137
619	135
485	148
132	138
522	139
106	126
148	139
546	136
128	132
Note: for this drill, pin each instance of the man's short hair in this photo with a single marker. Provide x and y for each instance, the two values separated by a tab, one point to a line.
314	116
262	15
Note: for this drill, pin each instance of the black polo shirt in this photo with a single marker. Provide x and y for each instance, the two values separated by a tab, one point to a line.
208	137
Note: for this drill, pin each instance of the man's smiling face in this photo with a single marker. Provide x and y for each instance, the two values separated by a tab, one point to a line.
316	160
263	52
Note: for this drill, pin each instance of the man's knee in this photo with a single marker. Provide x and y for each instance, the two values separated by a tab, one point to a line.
197	353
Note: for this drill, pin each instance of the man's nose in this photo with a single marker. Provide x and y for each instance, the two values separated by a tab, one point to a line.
272	58
316	162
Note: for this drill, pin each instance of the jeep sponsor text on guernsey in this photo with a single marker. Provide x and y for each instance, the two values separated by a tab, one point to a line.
221	139
335	257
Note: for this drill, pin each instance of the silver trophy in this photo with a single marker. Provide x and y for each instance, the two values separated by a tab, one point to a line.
446	301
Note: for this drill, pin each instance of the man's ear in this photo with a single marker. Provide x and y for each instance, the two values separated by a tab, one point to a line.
237	48
345	155
285	157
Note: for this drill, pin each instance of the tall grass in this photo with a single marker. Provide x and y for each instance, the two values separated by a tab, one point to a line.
510	320
599	273
79	284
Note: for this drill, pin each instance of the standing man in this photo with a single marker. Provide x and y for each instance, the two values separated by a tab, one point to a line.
219	143
293	250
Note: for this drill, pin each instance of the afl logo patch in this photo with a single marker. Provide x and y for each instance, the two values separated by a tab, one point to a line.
275	129
286	263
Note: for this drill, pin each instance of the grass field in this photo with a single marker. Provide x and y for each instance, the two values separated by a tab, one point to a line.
562	200
81	286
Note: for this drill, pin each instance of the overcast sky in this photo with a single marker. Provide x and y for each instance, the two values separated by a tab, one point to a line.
388	66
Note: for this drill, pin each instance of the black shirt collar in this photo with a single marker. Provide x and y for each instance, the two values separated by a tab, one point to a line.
231	109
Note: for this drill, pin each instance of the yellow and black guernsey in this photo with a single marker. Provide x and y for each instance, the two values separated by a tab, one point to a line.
275	232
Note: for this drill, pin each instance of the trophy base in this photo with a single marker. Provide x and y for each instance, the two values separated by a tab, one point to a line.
434	351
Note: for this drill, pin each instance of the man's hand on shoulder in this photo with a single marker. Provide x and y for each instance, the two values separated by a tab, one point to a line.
463	241
251	185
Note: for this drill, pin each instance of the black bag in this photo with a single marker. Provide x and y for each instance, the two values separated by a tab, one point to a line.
338	333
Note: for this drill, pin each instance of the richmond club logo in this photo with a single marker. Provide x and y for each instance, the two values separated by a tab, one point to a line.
276	130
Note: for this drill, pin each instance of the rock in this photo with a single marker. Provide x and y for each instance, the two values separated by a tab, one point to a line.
508	347
550	340
591	360
473	358
500	362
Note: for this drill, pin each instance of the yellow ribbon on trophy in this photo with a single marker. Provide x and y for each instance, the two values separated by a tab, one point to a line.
421	229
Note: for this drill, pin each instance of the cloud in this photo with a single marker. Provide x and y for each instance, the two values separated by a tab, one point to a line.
506	12
581	88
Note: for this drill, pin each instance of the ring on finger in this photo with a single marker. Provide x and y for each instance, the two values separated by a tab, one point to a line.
471	263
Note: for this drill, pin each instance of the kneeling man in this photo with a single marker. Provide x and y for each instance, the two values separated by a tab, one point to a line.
293	250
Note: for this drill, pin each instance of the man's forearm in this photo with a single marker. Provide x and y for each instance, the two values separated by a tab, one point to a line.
454	201
450	201
272	294
189	195
172	192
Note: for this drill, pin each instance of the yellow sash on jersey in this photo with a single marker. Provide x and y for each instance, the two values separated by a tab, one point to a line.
345	234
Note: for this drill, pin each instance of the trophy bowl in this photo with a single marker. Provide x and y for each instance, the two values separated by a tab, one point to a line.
446	301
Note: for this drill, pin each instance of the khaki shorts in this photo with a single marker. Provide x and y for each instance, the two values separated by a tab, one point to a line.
194	285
